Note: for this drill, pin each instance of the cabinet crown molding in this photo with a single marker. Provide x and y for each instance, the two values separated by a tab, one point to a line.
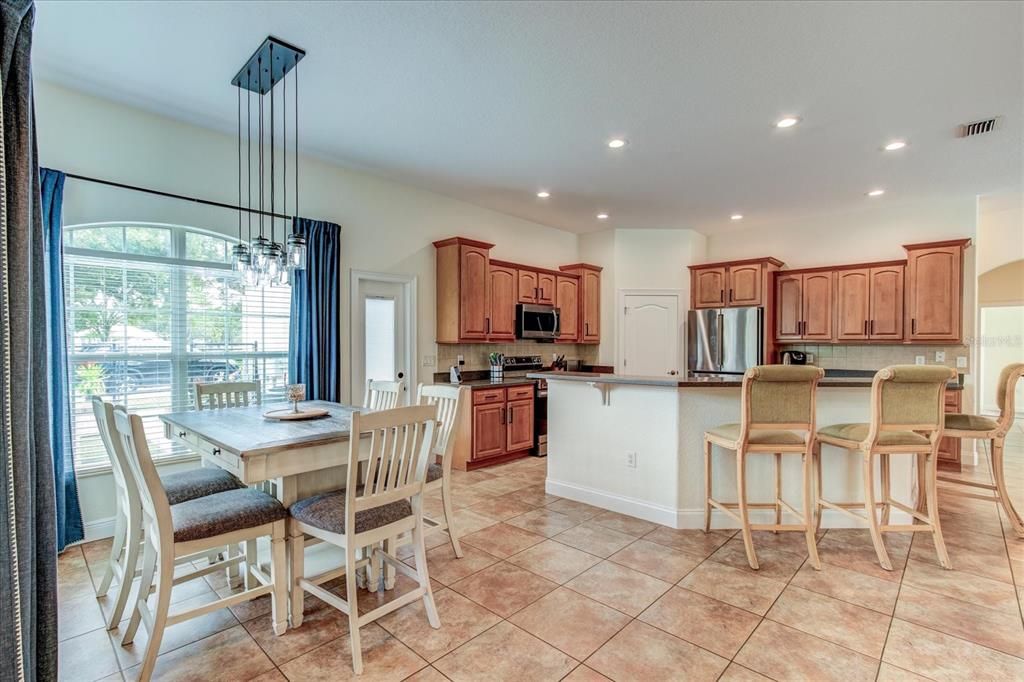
580	266
463	241
847	266
934	245
724	263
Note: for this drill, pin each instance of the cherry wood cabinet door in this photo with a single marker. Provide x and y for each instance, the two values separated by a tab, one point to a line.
934	306
519	429
590	282
709	287
528	290
886	319
488	430
568	301
547	285
474	299
788	307
744	285
853	304
503	296
817	306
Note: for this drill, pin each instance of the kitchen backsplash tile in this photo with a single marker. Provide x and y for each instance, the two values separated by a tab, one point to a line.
476	354
873	356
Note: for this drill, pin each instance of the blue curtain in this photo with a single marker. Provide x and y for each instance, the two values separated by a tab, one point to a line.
314	340
69	513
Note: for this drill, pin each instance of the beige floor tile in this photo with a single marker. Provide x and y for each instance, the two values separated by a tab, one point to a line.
737	673
577	511
502	540
595	539
86	657
621	588
461	621
505	653
584	674
854	627
504	588
468	521
979	559
428	674
228	655
624	523
444	567
384	658
783	653
692	541
368	601
660	561
554	561
464	496
570	622
535	495
964	586
249	609
321	623
431	539
502	485
78	615
733	586
852	549
1000	630
700	620
544	522
642	652
944	657
503	507
890	673
850	586
772	561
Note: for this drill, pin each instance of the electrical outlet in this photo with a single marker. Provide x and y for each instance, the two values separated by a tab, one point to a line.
462	359
631	460
429	360
961	361
810	358
918	359
940	356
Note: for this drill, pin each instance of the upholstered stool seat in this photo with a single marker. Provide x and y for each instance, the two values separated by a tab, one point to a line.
327	512
189	485
731	433
970	422
224	512
434	473
852	434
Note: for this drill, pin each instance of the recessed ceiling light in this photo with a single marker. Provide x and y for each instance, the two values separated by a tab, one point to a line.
617	143
602	216
876	192
895	145
736	216
543	194
787	122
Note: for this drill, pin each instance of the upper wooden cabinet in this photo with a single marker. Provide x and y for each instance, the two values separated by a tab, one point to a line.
739	283
567	300
853	304
934	291
502	292
869	303
589	315
803	306
546	286
887	286
463	296
528	291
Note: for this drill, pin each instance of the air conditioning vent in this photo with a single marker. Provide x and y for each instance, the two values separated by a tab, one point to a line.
977	127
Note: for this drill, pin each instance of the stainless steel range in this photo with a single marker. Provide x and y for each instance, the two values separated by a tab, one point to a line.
518	366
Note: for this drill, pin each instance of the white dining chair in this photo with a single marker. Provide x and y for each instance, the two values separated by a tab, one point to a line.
178	487
227	394
383	502
196	526
382	395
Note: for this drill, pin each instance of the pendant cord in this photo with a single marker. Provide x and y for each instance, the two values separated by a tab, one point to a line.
248	146
296	140
273	173
260	174
284	149
239	164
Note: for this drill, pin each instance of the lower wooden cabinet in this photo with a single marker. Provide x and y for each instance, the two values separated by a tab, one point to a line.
949	448
519	425
502	424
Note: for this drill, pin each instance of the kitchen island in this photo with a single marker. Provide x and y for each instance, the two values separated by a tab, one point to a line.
633	444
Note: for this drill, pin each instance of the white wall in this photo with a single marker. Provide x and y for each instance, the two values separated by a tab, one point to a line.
1000	230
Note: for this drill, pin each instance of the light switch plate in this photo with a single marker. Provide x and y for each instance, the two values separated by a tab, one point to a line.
961	361
810	358
918	359
429	360
631	460
940	356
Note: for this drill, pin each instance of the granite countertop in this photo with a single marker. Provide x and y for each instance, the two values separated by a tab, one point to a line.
833	379
507	381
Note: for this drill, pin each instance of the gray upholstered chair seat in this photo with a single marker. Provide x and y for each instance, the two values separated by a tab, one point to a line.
194	483
434	473
224	512
856	433
970	422
731	432
327	511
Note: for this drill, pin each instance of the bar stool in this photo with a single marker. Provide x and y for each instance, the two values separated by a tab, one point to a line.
994	430
776	417
906	418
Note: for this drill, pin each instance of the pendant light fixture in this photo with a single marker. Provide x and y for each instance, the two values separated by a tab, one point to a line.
264	261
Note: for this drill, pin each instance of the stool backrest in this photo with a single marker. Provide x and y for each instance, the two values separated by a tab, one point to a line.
909	398
1006	390
779	397
156	511
382	395
399	445
449	402
125	486
227	394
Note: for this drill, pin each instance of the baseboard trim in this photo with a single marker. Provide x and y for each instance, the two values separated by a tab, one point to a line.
688	518
99	529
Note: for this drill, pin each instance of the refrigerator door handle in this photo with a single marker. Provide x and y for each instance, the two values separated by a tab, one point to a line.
720	360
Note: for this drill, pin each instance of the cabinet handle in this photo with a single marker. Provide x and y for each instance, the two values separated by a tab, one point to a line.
536	292
721	296
182	434
730	295
510	408
215	451
872	328
586	329
488	325
913	325
865	327
503	415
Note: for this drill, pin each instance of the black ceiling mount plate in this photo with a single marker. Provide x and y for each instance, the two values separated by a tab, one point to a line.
256	74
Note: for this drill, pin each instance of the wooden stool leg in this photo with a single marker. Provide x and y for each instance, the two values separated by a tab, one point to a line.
352	597
278	577
1000	478
296	571
932	494
707	485
872	510
883	467
809	527
922	497
778	490
741	492
449	515
816	460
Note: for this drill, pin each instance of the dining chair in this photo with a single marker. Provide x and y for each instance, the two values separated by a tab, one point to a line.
178	487
196	526
382	395
227	394
382	503
777	417
907	404
994	431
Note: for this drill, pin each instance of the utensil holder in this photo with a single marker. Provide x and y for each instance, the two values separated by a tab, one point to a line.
497	372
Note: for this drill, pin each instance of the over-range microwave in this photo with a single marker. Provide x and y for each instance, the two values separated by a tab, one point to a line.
537	322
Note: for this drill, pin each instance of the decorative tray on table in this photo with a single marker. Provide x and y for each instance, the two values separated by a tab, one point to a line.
296	394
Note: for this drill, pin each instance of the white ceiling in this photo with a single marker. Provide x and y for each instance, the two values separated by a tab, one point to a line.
490	101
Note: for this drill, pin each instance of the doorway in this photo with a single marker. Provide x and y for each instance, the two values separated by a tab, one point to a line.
650	334
383	331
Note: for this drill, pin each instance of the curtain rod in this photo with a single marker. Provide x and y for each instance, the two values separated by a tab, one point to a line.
170	195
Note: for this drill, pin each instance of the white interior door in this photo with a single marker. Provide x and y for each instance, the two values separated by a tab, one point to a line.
651	338
380	337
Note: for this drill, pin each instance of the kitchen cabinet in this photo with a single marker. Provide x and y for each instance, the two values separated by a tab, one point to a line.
488	431
589	314
803	306
502	424
744	283
732	284
546	283
708	285
567	300
853	304
887	291
519	423
528	291
934	291
463	290
869	303
949	448
503	293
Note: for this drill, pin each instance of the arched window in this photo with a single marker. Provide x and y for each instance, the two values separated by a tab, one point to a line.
152	308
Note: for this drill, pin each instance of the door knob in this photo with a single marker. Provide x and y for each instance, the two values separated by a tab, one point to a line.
401	375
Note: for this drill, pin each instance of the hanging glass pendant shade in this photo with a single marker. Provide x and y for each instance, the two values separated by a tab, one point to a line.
240	259
296	255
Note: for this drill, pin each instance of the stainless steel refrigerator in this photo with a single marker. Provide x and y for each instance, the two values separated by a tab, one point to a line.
724	340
